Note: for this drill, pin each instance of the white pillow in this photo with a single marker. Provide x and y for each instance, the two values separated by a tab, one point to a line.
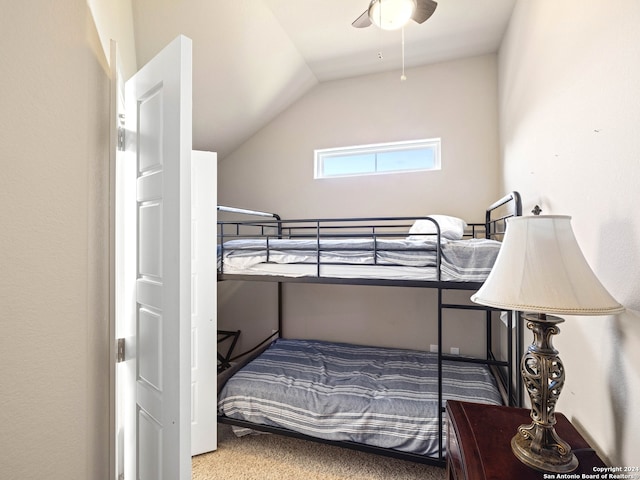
451	228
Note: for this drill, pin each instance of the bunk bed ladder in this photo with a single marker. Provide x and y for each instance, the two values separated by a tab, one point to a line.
512	392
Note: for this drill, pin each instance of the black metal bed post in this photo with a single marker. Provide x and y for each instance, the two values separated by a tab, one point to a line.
512	398
280	302
489	337
519	354
318	259
518	202
438	252
280	334
440	406
221	270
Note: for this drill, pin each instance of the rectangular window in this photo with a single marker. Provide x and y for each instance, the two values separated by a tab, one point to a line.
410	156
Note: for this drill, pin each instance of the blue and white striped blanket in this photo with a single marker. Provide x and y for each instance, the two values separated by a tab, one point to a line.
376	396
462	260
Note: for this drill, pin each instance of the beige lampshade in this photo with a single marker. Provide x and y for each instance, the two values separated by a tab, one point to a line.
540	268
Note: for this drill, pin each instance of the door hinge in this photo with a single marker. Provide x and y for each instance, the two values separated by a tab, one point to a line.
120	351
121	133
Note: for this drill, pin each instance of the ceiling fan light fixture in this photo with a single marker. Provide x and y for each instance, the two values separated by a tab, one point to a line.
391	14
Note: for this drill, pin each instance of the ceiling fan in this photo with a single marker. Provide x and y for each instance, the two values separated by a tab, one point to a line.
394	14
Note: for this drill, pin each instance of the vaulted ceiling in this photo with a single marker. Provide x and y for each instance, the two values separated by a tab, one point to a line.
254	58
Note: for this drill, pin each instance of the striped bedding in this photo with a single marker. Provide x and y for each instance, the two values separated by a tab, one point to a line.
462	260
383	397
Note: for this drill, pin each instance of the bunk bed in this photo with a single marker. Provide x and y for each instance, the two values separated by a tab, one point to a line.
382	400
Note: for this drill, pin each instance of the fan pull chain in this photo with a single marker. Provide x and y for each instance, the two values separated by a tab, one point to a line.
403	77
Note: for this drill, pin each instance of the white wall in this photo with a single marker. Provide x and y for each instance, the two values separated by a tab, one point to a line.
456	101
54	135
273	171
569	116
114	21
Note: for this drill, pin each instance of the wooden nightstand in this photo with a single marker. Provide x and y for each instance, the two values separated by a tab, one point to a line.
479	443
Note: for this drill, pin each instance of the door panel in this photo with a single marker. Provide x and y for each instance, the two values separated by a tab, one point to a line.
158	124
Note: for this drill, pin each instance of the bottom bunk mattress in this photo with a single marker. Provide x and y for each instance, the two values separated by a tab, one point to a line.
383	397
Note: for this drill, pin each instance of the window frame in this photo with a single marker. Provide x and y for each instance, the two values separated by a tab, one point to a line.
319	155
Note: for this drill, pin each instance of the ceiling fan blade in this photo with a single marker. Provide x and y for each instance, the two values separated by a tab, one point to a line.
362	21
424	10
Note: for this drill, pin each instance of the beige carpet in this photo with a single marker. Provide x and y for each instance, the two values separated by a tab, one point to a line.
273	457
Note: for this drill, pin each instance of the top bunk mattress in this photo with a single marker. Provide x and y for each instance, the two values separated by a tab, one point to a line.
397	259
385	397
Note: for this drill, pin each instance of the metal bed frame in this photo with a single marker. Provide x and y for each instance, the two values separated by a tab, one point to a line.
224	360
272	226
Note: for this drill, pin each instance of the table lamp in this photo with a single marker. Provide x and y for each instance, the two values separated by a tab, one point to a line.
541	271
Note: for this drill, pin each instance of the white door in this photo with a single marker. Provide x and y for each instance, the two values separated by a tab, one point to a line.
158	142
203	314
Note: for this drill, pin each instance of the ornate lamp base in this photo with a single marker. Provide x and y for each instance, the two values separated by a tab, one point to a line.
552	457
538	445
